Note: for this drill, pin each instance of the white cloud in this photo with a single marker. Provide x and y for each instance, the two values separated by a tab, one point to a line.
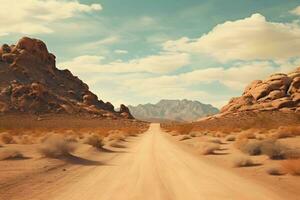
246	39
296	11
120	51
100	43
34	16
161	63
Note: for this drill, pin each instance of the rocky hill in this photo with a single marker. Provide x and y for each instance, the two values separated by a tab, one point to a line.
173	110
279	92
31	83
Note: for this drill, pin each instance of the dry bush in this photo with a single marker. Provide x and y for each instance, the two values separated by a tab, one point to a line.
116	135
26	139
274	171
252	148
10	154
291	166
194	134
56	146
7	138
249	134
185	137
215	140
287	131
180	128
208	148
242	161
116	144
71	138
94	141
230	138
272	148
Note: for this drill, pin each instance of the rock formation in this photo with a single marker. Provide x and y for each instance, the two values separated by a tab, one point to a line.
280	92
31	83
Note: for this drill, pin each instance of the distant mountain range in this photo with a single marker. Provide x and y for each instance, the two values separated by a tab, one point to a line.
172	110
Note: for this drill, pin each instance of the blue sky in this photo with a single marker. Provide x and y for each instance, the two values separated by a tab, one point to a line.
133	51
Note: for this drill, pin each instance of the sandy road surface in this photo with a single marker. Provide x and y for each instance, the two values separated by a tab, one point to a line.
155	167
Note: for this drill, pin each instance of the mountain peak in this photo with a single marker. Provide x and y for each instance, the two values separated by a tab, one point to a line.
175	110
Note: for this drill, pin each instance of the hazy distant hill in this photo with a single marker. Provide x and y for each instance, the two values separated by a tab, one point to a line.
175	110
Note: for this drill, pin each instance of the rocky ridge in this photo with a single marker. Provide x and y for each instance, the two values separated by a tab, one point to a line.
279	92
31	83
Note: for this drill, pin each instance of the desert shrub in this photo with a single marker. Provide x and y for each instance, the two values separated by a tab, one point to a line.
193	134
208	148
7	138
56	146
185	137
8	154
252	148
116	135
273	149
249	134
291	166
71	138
275	171
94	141
215	140
26	139
230	138
287	131
242	161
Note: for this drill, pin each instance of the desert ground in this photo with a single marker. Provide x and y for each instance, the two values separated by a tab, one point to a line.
153	164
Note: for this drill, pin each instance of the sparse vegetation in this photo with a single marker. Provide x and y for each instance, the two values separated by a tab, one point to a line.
272	148
291	166
56	146
274	171
185	137
208	148
215	140
95	141
242	161
10	154
230	138
287	131
7	138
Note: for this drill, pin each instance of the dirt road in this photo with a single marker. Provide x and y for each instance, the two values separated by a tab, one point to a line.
155	167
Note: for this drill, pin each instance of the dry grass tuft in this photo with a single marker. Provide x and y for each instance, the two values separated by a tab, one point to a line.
243	161
287	131
10	154
7	138
230	138
208	148
275	171
272	148
252	148
194	134
95	141
291	166
56	146
184	137
215	140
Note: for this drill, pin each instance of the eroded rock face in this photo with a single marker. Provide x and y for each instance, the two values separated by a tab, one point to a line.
31	83
278	92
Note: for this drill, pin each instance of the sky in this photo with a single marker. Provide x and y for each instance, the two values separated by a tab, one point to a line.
141	51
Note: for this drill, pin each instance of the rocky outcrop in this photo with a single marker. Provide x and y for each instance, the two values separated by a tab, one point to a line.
31	83
278	92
